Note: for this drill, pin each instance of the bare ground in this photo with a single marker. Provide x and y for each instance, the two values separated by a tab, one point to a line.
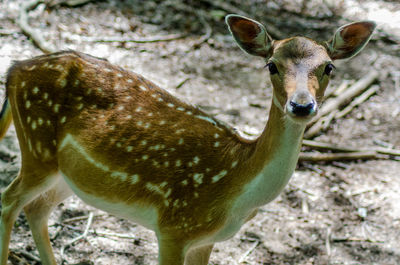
330	213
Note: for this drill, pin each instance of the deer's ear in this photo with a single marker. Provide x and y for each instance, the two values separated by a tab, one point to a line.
250	35
350	39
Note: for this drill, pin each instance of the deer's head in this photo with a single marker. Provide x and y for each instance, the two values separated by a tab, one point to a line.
299	67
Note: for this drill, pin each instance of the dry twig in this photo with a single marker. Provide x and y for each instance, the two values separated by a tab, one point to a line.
145	40
248	252
356	102
26	254
80	237
314	157
30	32
69	3
336	148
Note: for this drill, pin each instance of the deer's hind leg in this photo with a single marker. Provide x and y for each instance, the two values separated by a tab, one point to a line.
34	179
37	213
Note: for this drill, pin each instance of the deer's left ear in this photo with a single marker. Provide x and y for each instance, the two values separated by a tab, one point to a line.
350	39
250	35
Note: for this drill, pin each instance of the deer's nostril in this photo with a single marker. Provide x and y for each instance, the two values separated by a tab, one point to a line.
302	109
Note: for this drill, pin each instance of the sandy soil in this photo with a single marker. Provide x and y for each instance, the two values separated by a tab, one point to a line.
330	213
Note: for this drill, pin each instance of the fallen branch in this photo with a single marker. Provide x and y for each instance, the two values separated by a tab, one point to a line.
146	40
69	3
354	239
26	254
367	94
335	148
334	104
315	157
6	32
224	5
208	28
30	32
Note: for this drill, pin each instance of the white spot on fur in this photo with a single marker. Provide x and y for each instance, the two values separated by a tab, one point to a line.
134	179
216	144
205	118
198	178
63	119
40	121
180	142
219	176
62	82
27	104
56	108
121	175
34	126
234	163
129	148
35	90
39	147
143	88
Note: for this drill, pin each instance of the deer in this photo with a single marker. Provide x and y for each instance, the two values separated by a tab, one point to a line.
130	148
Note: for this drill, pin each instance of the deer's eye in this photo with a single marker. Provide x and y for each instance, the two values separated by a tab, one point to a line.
272	68
329	68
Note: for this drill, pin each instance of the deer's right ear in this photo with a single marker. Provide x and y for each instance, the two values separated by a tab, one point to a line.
250	35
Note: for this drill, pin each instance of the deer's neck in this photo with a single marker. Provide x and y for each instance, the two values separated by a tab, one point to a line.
273	161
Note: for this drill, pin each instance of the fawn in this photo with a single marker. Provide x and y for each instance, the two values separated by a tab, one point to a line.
126	146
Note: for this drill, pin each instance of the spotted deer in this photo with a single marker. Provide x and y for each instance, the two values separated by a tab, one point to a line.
125	146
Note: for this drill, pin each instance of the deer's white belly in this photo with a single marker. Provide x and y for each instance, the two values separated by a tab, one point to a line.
144	215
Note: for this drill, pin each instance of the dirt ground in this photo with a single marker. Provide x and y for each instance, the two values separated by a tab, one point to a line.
330	213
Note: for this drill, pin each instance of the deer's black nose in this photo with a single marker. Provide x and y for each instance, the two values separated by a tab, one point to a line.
302	110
